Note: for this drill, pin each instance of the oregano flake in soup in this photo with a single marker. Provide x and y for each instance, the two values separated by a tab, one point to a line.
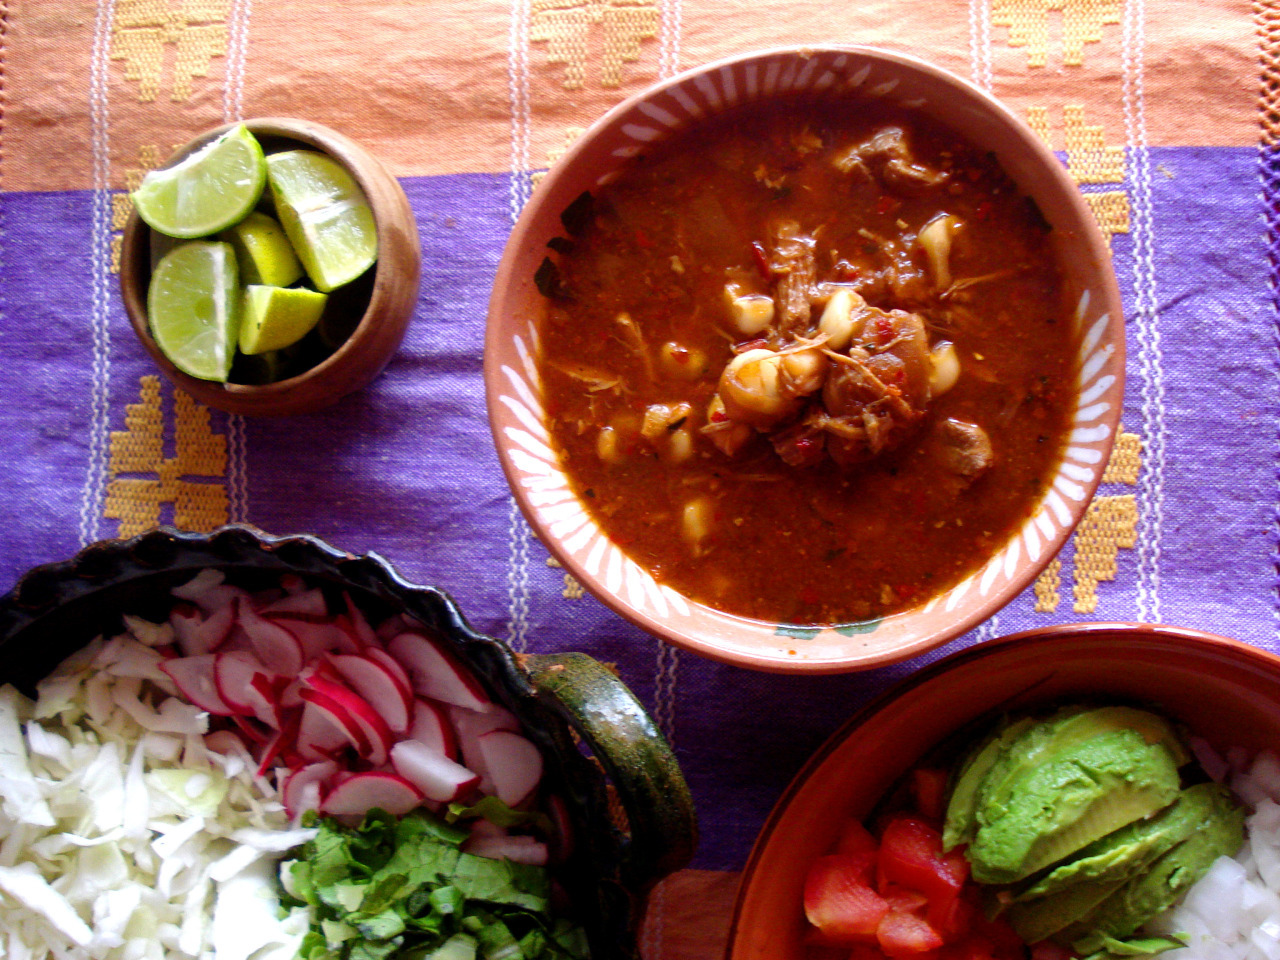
811	360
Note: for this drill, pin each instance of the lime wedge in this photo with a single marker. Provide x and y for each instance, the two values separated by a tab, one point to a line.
275	317
208	191
263	251
193	305
325	215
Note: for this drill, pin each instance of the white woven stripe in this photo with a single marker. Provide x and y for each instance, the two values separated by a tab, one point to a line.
232	111
672	16
237	50
518	531
980	43
1150	494
99	281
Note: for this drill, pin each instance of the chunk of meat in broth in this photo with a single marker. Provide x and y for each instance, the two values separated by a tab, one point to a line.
888	157
793	266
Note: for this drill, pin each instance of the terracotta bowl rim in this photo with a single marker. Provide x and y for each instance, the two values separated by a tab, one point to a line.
500	328
366	169
1189	639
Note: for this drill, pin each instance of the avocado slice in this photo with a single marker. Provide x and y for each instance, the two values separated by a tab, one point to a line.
1041	919
962	808
1157	888
1124	852
1066	782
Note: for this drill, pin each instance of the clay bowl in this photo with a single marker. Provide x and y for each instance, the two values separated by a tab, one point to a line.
364	321
846	75
1224	691
601	749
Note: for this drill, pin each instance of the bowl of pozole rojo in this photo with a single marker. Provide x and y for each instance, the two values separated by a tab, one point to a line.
808	360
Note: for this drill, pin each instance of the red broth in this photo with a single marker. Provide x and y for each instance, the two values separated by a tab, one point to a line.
641	325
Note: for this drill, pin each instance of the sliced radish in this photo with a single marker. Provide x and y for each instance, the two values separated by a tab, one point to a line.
470	727
320	734
228	743
194	679
514	847
303	788
282	743
364	633
393	667
376	735
348	636
264	699
378	685
307	602
430	725
438	777
437	673
513	763
233	672
316	636
207	590
277	648
340	716
395	624
196	633
358	794
253	731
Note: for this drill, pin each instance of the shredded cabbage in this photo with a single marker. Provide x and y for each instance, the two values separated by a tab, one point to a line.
122	836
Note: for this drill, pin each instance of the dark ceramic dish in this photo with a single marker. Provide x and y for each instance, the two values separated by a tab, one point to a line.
562	699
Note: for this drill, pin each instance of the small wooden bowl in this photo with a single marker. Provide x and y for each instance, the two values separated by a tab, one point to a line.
1223	690
380	304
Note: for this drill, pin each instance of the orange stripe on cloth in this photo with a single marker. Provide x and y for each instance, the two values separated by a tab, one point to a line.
426	84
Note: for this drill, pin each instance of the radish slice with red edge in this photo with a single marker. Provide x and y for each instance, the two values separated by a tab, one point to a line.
341	717
377	685
277	648
514	764
208	591
358	794
376	734
438	777
303	789
436	673
194	679
364	633
470	727
306	602
397	672
315	636
320	735
233	672
430	725
194	633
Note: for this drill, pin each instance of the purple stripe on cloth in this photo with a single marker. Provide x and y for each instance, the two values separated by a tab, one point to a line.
406	468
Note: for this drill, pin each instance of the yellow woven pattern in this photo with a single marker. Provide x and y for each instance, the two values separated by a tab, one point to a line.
566	26
1111	210
1047	586
143	31
1038	121
1098	540
1267	17
1089	156
1109	524
1126	459
122	205
1028	23
139	449
555	153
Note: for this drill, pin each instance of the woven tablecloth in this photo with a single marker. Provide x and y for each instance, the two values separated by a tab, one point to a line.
1164	112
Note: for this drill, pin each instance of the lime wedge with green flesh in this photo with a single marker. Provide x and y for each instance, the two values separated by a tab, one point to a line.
208	191
325	215
193	305
263	251
275	317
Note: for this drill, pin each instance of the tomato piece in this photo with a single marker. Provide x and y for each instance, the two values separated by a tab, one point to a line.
855	838
839	900
929	788
906	935
904	900
911	855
